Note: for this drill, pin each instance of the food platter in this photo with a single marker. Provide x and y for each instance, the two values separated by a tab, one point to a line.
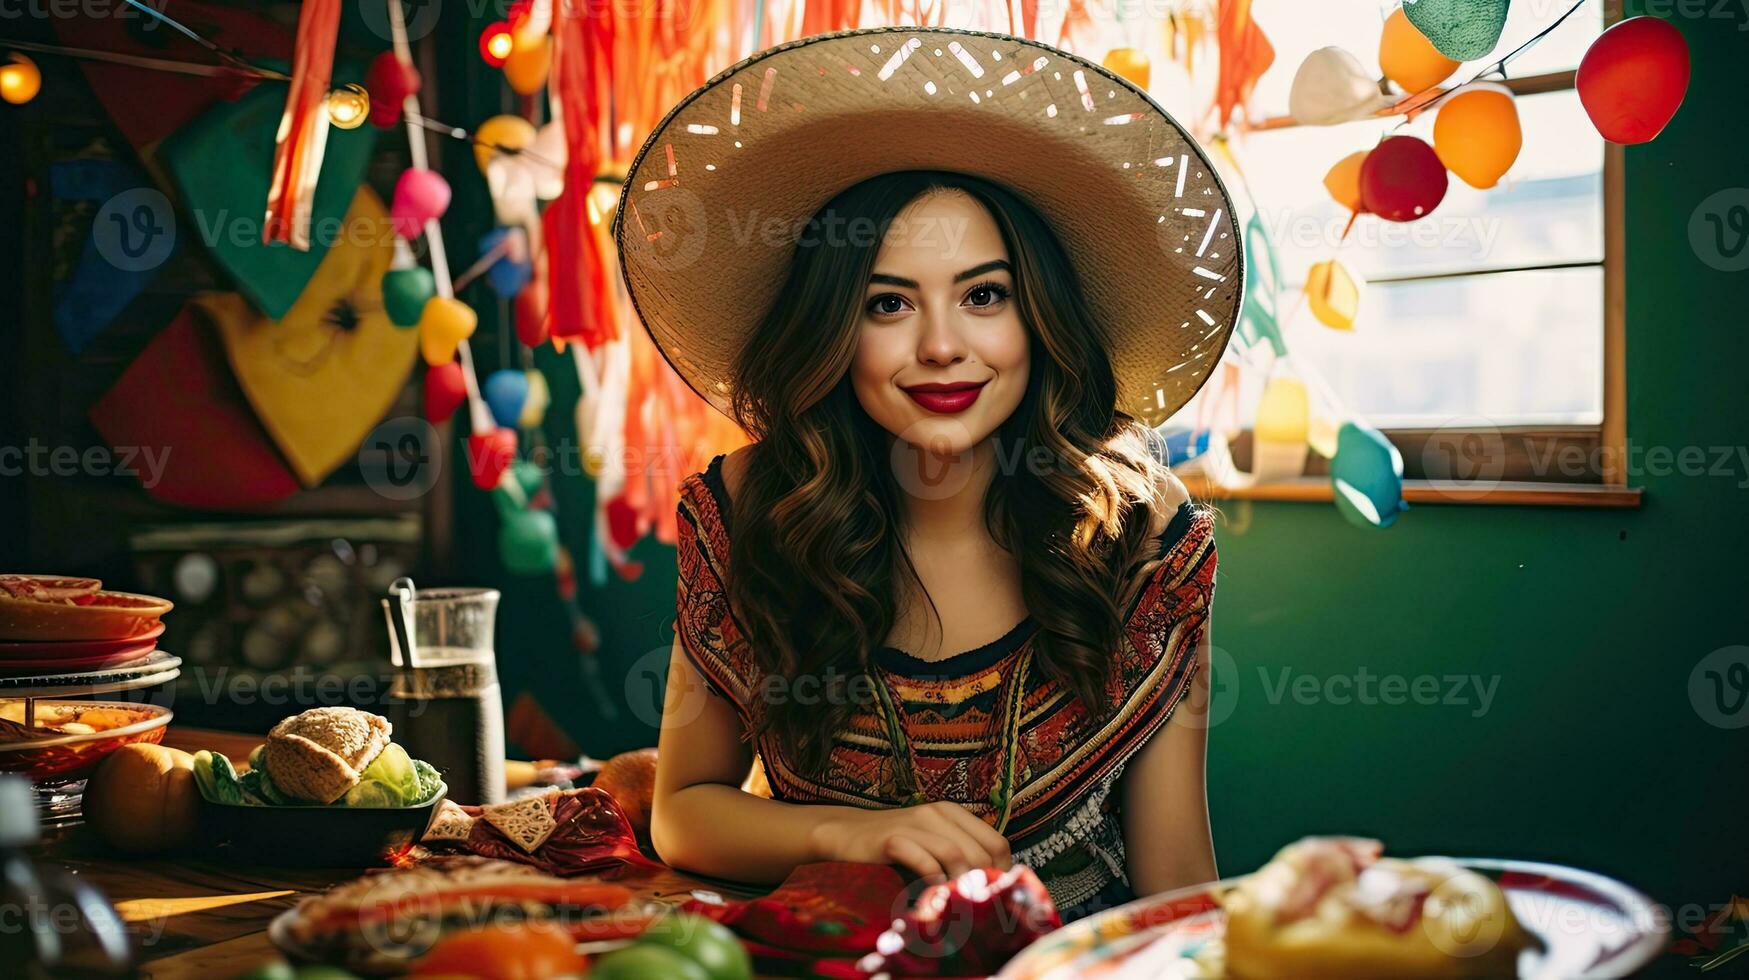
1588	925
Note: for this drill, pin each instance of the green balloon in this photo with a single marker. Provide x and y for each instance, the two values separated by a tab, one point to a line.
528	543
405	292
1462	30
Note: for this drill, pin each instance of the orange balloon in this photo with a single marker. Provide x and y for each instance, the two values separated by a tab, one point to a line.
1343	181
1477	135
1130	63
531	57
1408	58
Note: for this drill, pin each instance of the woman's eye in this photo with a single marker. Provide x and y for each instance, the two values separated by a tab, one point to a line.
886	304
987	294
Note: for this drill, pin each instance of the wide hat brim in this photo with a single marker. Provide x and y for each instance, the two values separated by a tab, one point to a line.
714	201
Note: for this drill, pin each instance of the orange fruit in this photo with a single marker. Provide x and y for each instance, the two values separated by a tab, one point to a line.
143	799
630	778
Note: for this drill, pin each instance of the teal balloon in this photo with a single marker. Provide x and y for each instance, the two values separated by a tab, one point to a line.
404	294
528	542
1462	30
1366	477
505	393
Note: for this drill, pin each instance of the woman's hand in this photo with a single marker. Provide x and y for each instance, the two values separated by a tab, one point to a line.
928	839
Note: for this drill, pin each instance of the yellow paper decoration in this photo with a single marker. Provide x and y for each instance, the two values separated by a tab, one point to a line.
1333	295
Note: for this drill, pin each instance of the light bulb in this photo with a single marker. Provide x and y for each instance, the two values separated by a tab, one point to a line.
20	80
348	106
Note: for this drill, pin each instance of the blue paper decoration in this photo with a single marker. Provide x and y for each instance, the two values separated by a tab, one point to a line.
507	276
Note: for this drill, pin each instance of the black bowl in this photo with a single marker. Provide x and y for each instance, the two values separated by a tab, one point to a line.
312	836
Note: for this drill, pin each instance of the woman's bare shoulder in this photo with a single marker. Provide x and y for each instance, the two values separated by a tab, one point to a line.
1171	494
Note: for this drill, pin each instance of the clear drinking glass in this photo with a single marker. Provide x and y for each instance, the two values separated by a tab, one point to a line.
446	706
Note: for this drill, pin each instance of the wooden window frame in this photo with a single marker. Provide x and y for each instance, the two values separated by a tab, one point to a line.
1536	465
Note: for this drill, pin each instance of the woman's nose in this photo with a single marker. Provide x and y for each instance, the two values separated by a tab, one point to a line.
941	343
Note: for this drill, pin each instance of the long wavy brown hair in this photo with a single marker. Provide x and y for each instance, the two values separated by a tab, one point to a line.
816	551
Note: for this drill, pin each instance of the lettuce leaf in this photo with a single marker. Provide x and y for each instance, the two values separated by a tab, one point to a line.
391	780
217	780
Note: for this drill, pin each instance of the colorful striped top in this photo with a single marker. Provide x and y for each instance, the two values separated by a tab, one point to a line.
1065	820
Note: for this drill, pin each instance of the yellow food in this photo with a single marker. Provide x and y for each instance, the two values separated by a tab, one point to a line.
1332	907
142	799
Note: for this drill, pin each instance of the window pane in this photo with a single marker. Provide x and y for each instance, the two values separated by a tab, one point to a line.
1298	27
1514	348
1547	209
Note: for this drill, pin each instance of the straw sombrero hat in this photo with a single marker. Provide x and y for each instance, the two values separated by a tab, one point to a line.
767	142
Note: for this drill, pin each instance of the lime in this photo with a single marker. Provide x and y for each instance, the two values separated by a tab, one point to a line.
646	961
704	941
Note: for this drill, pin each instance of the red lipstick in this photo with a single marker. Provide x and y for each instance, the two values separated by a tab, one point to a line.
946	398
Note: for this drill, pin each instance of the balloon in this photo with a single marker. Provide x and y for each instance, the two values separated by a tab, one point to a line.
529	476
489	455
1330	87
531	57
547	162
389	81
1463	30
405	292
20	80
534	407
420	196
505	393
1366	477
1633	78
1477	135
443	325
1343	181
445	390
511	272
1402	179
530	306
1129	63
1408	58
499	134
1333	295
528	542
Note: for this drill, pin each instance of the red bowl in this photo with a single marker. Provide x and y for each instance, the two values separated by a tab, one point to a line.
66	757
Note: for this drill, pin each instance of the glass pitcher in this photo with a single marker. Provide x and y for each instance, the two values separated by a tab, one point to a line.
445	704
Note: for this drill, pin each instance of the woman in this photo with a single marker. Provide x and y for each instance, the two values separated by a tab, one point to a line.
948	603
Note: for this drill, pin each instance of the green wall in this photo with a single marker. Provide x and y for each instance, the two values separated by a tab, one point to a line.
1585	623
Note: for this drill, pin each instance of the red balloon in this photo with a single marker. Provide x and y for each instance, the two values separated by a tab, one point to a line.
489	455
444	391
1402	179
1633	78
389	81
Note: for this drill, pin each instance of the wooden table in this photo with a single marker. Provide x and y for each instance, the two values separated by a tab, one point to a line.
193	918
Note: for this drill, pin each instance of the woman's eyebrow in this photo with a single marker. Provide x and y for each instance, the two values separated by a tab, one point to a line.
976	270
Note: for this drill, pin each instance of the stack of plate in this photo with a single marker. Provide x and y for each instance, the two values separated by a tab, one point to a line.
63	640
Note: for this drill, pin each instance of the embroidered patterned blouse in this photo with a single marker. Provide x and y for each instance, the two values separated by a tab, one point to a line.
1065	818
